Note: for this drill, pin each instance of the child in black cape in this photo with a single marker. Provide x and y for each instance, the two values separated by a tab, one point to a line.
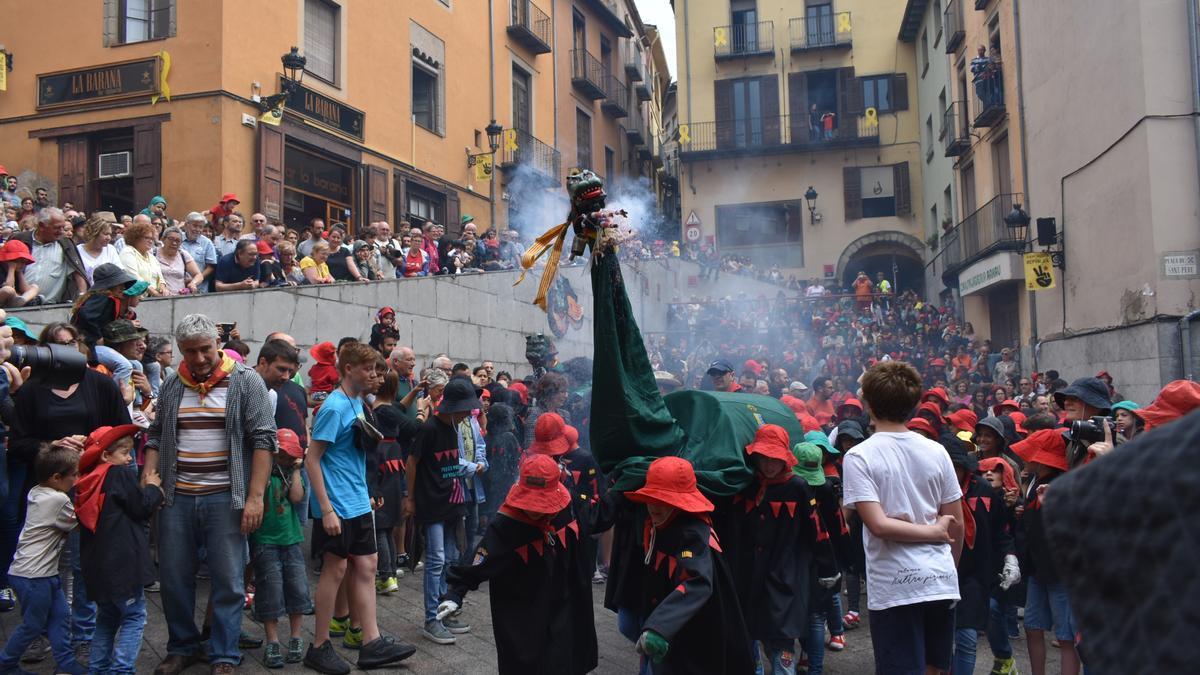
532	552
824	587
693	620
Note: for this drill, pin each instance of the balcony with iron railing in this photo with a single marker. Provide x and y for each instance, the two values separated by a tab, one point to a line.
956	132
955	26
982	4
779	134
985	232
635	126
609	11
588	74
635	69
743	41
642	91
616	98
821	32
521	148
530	26
988	96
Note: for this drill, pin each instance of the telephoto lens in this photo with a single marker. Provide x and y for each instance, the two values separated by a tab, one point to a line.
54	366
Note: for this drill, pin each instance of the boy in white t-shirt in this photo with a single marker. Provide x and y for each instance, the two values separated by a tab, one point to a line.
905	490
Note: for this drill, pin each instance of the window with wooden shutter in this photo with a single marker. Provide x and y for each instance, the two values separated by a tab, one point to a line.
583	140
900	185
377	193
321	39
900	91
852	192
850	103
799	123
723	101
768	92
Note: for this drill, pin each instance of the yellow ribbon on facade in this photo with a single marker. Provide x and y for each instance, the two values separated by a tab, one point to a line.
719	37
510	140
872	117
556	236
843	22
164	89
684	136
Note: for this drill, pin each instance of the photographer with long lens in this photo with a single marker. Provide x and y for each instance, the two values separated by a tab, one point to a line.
1088	409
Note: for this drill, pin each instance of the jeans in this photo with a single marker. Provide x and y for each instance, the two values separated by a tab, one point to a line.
966	640
814	643
43	610
629	624
280	581
153	372
118	365
119	627
782	655
387	553
185	525
468	538
833	614
439	546
997	630
12	517
83	610
1046	607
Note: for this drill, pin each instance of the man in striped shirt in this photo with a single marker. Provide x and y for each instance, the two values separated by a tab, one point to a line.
213	441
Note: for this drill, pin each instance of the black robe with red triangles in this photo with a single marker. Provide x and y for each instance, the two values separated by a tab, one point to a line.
981	561
541	602
781	541
689	599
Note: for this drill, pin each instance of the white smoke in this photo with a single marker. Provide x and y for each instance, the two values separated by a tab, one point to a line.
534	206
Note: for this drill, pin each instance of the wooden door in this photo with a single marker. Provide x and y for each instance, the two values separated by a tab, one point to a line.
270	172
74	163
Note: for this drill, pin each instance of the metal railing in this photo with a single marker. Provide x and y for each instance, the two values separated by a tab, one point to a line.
522	148
531	26
987	97
636	126
588	74
821	32
635	70
616	97
985	231
775	131
955	27
955	132
742	40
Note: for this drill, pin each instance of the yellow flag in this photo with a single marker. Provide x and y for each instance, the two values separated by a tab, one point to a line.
1039	272
483	167
3	72
273	116
164	89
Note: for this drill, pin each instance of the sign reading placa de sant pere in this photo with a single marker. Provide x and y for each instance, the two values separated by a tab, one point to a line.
98	83
327	111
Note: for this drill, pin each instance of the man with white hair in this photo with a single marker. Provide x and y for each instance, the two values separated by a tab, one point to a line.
199	246
56	268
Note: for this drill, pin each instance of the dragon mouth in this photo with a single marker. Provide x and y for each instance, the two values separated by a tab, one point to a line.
592	193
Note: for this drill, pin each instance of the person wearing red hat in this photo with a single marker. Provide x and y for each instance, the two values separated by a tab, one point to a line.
1046	604
586	482
15	291
932	413
384	335
850	409
533	555
924	427
115	512
782	542
226	207
937	395
693	621
322	374
280	574
963	420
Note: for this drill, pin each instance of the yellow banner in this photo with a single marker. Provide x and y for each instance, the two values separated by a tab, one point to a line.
273	116
1039	272
483	167
3	71
164	89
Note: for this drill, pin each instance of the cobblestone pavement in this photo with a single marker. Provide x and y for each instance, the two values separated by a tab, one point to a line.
400	615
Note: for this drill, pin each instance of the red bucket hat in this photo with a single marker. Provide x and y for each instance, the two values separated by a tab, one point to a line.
933	409
921	424
1018	419
572	435
808	422
264	248
1045	446
963	420
1007	404
521	390
1175	400
230	197
853	403
100	440
794	404
999	464
937	392
324	352
289	442
771	440
672	481
753	366
539	489
550	436
13	250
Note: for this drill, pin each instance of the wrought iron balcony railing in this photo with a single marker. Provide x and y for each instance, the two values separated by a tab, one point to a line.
744	40
530	26
832	31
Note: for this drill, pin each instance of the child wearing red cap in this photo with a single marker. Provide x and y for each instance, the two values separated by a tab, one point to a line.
323	374
533	554
281	578
782	541
384	328
693	621
115	512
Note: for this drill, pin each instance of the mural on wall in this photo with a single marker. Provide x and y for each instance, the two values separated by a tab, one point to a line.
563	311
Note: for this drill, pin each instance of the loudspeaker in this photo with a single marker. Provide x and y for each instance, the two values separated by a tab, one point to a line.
1047	232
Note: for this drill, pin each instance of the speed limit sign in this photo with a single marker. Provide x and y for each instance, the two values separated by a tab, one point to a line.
692	233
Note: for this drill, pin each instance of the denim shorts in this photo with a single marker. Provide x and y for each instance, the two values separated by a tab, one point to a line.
1046	607
280	581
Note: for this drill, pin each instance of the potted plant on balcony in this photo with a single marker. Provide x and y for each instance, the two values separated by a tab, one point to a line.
947	223
932	241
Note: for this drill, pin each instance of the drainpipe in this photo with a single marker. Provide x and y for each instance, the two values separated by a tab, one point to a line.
1032	295
1185	339
554	68
492	107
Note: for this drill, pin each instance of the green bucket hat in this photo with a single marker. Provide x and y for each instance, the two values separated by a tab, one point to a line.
819	439
17	324
137	289
808	463
466	219
1125	405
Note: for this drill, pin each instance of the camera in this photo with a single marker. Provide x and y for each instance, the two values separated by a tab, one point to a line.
224	330
54	366
1092	429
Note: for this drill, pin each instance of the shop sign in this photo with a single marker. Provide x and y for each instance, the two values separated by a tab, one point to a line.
326	111
1039	271
98	83
992	270
315	176
1181	264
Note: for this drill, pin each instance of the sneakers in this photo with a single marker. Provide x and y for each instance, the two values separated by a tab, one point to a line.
403	561
37	651
8	601
295	651
353	639
851	620
273	655
600	577
455	626
385	586
384	651
435	632
338	626
249	597
1004	666
836	643
324	659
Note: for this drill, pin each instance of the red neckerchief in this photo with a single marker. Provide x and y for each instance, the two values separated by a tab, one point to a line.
219	372
763	482
968	517
89	495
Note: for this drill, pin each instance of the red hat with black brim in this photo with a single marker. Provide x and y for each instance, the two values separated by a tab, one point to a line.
1047	447
922	425
550	436
771	440
289	442
539	488
672	481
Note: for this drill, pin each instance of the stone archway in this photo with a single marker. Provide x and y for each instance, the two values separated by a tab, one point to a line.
882	243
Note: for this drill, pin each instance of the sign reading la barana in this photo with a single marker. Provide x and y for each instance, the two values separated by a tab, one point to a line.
99	83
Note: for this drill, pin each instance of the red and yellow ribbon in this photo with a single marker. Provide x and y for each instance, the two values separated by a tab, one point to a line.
555	237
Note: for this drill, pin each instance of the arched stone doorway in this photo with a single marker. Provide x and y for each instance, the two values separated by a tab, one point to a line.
896	254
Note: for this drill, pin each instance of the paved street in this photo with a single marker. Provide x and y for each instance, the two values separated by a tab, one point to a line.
400	614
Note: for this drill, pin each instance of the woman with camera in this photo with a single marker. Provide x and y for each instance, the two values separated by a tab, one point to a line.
1086	398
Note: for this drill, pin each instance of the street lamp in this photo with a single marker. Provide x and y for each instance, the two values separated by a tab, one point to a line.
493	133
1018	221
811	197
293	72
